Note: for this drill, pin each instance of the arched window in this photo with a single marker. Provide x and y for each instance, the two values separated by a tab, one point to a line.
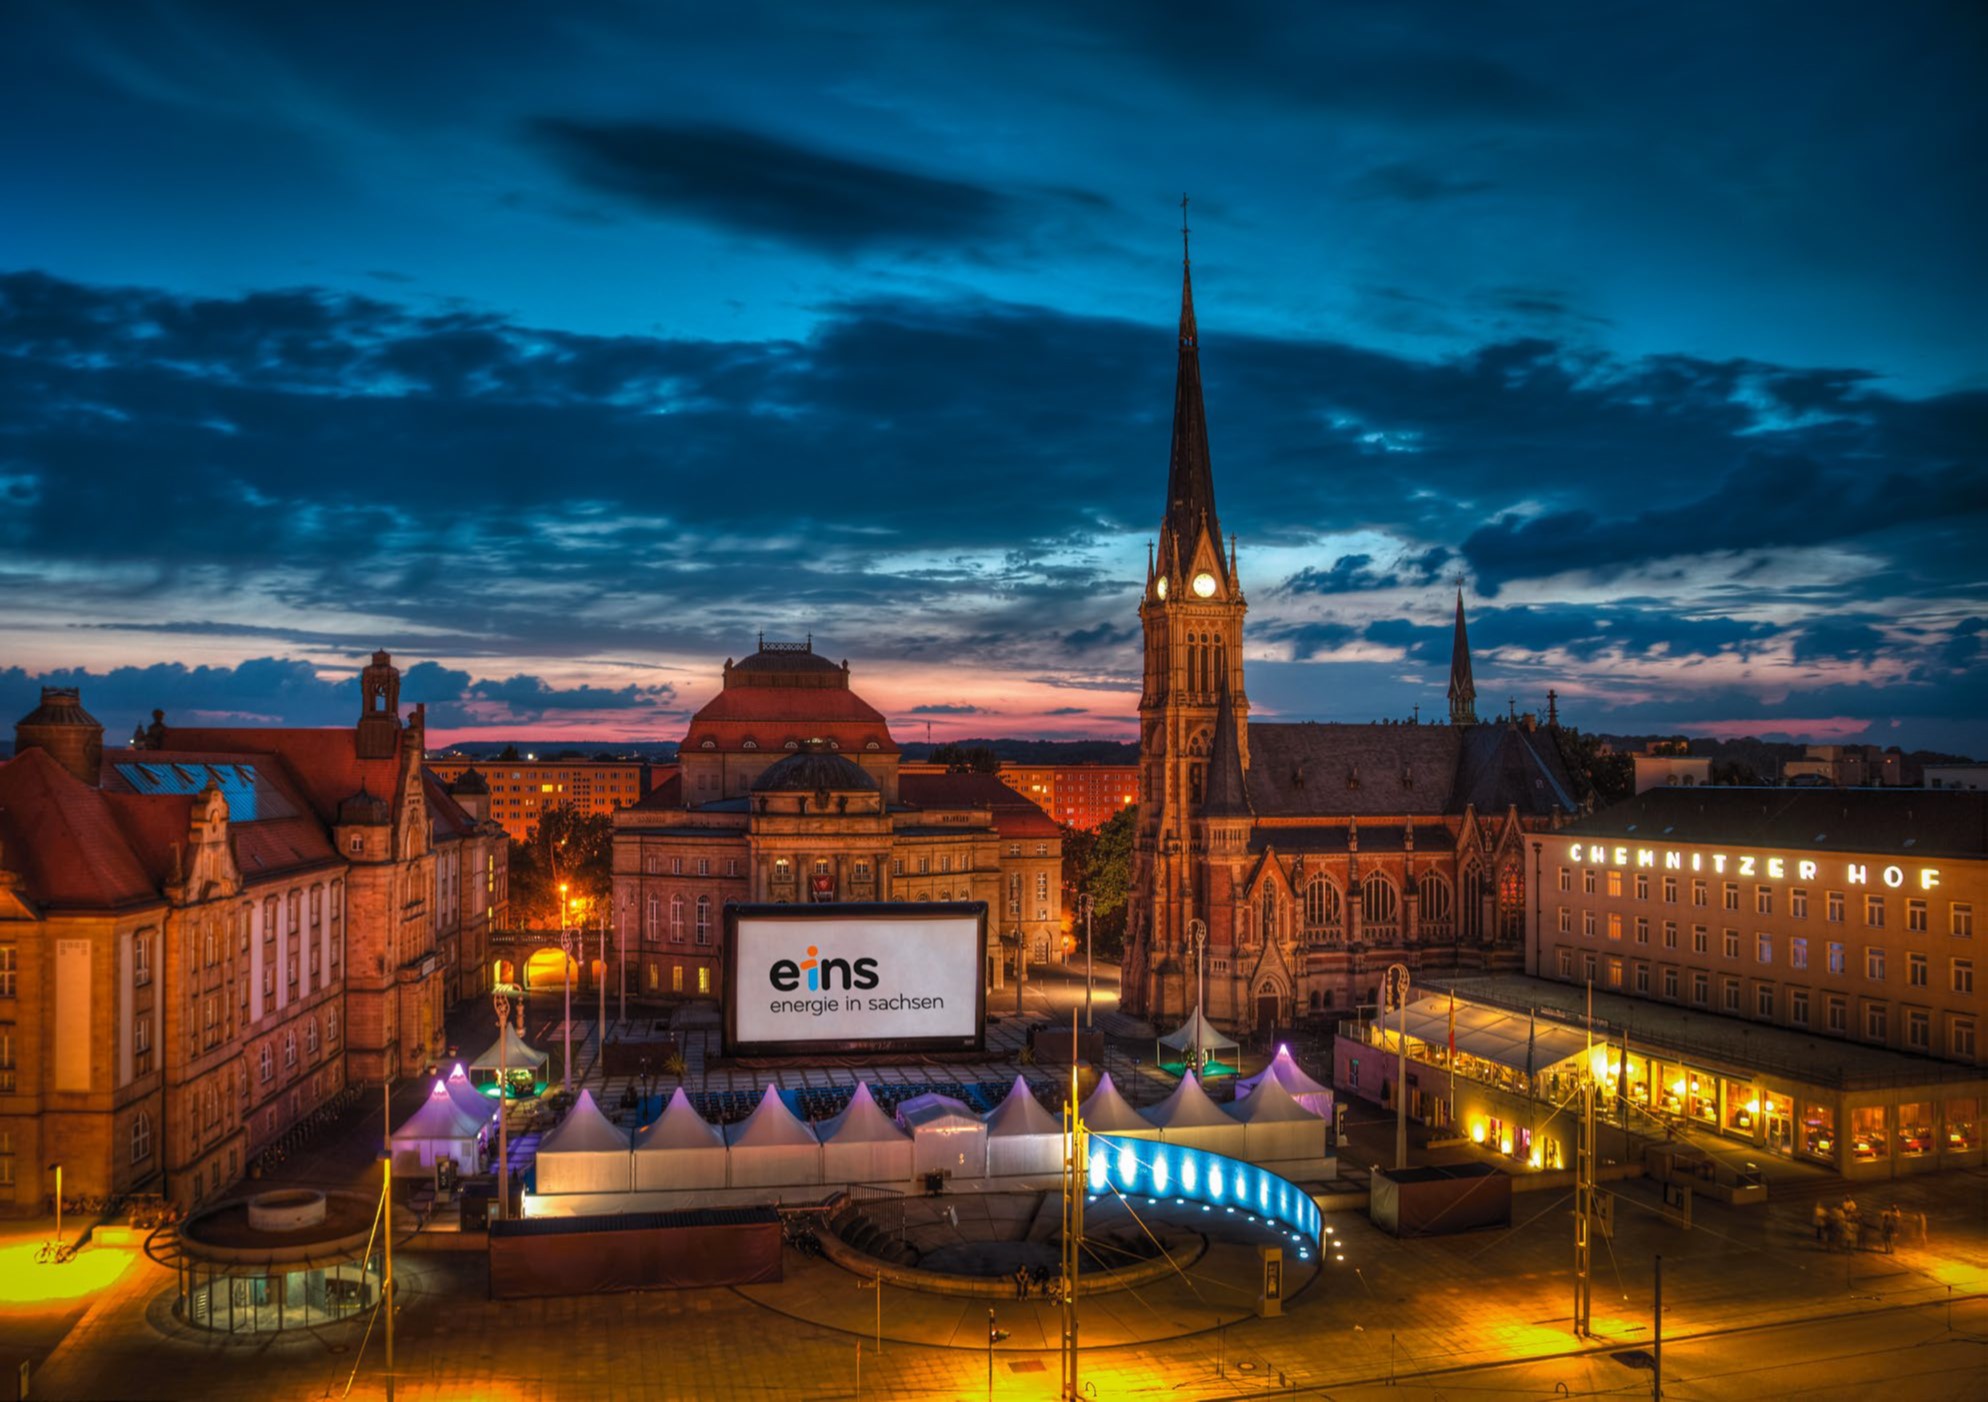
676	919
653	919
1269	912
1378	902
704	920
1435	896
1472	919
141	1136
289	1049
1321	904
1511	900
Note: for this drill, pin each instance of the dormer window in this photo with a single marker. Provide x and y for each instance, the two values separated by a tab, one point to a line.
872	745
749	744
793	745
708	745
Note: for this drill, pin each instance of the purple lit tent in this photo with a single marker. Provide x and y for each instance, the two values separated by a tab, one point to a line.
1280	1132
439	1130
946	1136
1284	1069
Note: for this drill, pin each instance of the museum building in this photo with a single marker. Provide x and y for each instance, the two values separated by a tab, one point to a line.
787	789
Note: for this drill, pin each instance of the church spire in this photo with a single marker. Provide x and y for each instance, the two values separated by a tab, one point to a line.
1463	691
1224	794
1190	480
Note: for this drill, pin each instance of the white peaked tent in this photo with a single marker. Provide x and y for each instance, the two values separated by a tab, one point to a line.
1190	1118
587	1153
861	1145
1277	1129
946	1136
519	1055
472	1100
1284	1069
439	1130
1183	1040
1108	1112
773	1147
1022	1137
680	1150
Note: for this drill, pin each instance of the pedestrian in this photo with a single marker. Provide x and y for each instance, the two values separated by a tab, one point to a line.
1888	1226
1021	1282
1837	1228
1821	1220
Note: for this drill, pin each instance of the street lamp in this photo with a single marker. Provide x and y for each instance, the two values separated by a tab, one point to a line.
566	952
1021	967
1087	903
500	1002
1197	933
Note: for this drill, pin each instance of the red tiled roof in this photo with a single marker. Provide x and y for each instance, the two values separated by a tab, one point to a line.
446	818
1014	815
325	761
774	715
65	840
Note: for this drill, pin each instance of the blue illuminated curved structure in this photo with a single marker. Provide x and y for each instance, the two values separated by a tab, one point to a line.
1145	1168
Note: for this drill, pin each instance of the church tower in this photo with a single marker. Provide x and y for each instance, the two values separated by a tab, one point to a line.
1463	691
1191	615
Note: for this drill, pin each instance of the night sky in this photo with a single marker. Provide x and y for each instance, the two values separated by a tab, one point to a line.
564	349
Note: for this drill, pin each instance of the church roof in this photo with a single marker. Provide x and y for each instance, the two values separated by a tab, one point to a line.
1309	769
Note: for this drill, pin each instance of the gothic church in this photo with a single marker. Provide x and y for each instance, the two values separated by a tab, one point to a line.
1280	868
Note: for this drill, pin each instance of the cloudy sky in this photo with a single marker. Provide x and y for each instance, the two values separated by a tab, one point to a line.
563	349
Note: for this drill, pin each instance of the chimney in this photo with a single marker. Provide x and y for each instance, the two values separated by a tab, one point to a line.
72	736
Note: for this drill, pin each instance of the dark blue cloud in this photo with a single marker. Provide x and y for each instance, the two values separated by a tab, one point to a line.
947	708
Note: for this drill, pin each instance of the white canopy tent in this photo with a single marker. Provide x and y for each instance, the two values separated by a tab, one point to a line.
587	1153
681	1150
518	1056
773	1147
472	1100
1284	1069
1278	1130
1108	1112
439	1130
1190	1118
1022	1137
862	1145
1517	1041
1197	1031
946	1136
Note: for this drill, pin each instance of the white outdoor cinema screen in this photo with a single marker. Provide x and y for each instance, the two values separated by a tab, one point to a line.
853	976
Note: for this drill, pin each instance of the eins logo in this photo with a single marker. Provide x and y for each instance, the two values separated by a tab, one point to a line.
821	973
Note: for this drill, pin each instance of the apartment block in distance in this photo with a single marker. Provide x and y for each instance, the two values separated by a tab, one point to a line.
520	790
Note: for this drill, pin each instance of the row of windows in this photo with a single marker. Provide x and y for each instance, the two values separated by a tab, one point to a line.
266	1054
1960	914
1876	1022
1960	970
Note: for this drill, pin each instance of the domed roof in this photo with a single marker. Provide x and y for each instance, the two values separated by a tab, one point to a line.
811	771
63	705
785	659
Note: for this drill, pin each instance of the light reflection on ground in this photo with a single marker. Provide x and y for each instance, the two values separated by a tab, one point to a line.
26	1282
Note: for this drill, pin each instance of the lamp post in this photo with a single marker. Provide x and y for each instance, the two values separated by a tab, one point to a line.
566	953
1197	934
1397	993
1087	903
1021	967
501	1003
600	987
621	962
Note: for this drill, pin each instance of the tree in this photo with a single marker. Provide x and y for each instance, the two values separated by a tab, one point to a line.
565	845
1597	771
965	759
1099	864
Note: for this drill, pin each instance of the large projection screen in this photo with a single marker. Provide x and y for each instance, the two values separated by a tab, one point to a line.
857	977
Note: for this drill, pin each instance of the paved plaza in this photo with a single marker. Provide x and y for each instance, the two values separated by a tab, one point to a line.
1752	1302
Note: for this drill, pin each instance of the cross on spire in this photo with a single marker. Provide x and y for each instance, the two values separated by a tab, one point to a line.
1183	228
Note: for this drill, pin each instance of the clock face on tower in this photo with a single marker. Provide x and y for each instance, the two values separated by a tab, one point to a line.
1204	585
1161	587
